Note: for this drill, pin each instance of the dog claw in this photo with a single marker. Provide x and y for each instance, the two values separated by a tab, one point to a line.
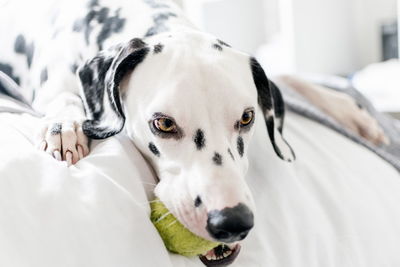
65	140
80	151
57	155
68	157
42	146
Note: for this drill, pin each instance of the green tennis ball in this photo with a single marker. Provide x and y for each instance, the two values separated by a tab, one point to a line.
176	237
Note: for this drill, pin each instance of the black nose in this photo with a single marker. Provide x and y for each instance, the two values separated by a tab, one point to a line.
230	224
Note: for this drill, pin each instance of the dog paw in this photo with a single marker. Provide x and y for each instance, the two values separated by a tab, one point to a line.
65	141
347	112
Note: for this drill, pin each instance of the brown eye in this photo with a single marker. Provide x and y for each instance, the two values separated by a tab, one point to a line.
165	125
247	117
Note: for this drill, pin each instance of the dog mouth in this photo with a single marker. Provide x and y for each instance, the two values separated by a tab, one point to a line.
221	255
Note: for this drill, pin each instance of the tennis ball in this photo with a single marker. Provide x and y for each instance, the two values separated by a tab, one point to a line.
176	237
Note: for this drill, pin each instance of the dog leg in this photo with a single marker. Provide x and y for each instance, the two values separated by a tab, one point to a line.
340	107
60	133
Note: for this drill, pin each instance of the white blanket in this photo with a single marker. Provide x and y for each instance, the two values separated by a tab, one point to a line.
337	205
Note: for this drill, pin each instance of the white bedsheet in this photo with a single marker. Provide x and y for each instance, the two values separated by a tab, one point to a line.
337	205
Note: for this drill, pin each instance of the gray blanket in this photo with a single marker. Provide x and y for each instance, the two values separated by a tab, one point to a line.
391	153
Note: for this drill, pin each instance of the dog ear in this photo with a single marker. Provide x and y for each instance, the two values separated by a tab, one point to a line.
272	105
100	79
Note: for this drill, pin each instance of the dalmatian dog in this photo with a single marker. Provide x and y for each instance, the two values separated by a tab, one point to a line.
95	68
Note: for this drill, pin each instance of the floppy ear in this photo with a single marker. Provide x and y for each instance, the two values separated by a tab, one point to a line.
100	78
272	105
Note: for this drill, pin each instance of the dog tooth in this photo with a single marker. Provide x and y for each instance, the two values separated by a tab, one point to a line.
214	257
227	253
209	257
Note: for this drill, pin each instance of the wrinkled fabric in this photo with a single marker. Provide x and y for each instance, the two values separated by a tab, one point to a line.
336	205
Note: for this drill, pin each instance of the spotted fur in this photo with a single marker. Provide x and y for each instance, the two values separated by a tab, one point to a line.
56	129
199	139
197	202
136	60
272	106
240	145
154	149
217	159
43	76
100	78
217	47
159	23
158	48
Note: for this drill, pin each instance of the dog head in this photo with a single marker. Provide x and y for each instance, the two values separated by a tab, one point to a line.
188	102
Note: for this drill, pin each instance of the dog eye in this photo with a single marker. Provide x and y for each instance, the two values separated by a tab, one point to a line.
165	125
247	117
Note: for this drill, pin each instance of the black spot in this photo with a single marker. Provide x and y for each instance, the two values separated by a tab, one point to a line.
240	146
30	50
34	92
159	23
78	26
199	139
162	17
21	47
223	43
158	48
137	43
10	88
111	25
217	159
56	129
156	4
230	153
154	149
217	47
99	17
237	126
43	76
9	71
262	84
102	15
93	3
20	44
197	202
74	68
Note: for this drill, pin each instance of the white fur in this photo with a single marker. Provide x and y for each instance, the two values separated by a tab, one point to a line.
200	86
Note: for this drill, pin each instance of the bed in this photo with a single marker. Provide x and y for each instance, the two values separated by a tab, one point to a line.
337	205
